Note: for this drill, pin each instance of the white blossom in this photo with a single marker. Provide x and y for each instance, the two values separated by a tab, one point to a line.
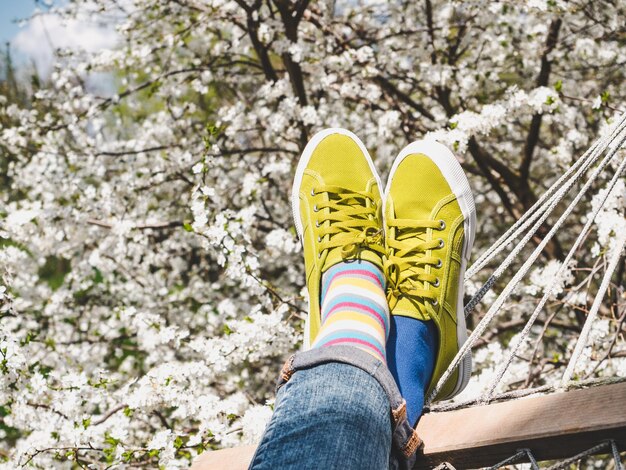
254	422
151	281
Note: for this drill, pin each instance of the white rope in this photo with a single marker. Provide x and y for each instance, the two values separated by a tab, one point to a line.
563	464
512	395
516	457
530	215
531	458
567	462
596	149
544	213
512	459
556	279
444	466
591	316
526	392
504	295
616	457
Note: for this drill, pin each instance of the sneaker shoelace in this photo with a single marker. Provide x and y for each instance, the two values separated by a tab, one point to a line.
346	220
411	248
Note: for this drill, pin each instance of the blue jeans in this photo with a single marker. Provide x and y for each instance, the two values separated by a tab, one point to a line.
337	407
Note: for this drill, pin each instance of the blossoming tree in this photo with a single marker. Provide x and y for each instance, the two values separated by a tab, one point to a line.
151	279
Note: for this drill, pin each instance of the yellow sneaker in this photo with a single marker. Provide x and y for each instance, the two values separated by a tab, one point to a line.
337	207
429	221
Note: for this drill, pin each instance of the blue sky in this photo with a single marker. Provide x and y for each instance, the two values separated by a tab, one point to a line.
35	43
10	10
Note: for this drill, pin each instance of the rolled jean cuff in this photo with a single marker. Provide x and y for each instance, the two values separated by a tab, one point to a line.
405	440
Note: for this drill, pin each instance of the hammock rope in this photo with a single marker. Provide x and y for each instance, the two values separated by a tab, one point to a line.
536	211
616	457
595	307
536	216
611	446
516	458
527	454
526	392
586	160
591	451
556	280
541	211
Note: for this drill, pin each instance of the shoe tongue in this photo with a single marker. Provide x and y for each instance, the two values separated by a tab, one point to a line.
431	183
411	307
350	167
410	210
334	257
412	236
351	202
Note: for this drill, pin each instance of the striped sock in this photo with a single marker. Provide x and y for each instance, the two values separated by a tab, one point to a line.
354	308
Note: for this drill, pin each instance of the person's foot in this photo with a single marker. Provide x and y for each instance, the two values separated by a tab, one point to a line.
337	205
429	221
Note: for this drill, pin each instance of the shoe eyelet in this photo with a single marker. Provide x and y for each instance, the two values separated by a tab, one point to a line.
436	283
317	223
319	255
312	191
439	264
434	302
441	243
442	224
315	209
319	239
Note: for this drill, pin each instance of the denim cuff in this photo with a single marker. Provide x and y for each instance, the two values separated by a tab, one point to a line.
405	440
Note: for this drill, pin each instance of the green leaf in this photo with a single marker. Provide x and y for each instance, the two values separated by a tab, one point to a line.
111	440
97	276
29	337
605	97
54	270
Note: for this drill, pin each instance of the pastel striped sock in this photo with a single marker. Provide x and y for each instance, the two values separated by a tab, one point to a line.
354	308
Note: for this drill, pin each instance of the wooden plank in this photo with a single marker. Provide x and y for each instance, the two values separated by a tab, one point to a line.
235	458
553	426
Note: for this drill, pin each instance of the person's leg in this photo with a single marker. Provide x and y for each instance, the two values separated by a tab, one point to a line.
411	351
330	416
354	308
428	236
337	407
341	407
336	414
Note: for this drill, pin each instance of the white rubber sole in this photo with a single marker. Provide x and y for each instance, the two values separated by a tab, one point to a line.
295	191
455	176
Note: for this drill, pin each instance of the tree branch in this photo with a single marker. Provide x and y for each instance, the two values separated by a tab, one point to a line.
390	88
542	80
155	226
